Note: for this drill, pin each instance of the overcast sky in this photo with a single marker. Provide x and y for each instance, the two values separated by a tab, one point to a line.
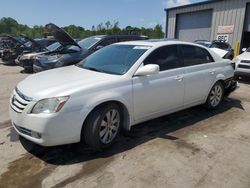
85	13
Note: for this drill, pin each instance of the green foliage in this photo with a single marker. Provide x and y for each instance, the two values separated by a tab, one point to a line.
11	26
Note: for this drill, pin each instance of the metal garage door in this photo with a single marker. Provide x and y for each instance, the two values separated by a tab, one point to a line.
194	26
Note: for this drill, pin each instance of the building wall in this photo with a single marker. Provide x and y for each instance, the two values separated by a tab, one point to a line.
225	12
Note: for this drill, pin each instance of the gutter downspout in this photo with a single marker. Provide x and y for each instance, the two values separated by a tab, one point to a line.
166	29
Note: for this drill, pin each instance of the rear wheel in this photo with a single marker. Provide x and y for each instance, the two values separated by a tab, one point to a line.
102	126
215	96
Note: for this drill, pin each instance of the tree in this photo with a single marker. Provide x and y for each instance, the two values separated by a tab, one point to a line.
11	26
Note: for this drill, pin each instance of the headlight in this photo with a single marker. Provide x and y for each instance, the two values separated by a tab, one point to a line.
48	106
53	58
48	59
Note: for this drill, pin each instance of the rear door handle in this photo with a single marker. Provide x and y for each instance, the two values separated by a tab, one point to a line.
179	78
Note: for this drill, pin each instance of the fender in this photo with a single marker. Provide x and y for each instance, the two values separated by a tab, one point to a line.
106	97
220	77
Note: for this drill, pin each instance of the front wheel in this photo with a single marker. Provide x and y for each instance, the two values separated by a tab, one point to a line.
102	126
215	96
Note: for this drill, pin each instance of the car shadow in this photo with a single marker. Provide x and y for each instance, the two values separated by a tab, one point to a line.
26	72
9	64
139	134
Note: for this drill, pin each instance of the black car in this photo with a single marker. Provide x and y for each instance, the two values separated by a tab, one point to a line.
224	46
205	43
19	45
218	44
73	52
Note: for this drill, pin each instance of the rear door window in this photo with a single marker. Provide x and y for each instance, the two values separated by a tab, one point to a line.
193	55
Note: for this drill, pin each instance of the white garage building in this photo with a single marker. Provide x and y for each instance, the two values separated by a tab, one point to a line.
227	20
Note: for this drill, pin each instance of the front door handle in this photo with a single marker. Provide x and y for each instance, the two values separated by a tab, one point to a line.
179	78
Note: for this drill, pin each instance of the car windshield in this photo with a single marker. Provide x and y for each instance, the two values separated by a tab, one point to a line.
220	45
207	44
54	46
114	59
89	42
28	44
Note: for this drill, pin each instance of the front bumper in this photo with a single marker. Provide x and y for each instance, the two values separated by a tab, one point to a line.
39	67
27	64
53	129
48	129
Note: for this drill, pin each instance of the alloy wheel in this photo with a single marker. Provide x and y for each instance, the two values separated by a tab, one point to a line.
109	126
216	95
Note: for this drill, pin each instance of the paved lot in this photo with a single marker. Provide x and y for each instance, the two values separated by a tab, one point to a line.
192	148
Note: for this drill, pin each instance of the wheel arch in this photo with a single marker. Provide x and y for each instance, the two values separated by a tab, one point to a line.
123	107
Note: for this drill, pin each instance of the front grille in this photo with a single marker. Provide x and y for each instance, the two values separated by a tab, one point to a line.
244	66
19	101
245	61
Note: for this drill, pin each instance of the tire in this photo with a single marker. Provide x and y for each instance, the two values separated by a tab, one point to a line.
102	126
215	96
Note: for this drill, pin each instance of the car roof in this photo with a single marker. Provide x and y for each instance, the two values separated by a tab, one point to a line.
120	36
158	42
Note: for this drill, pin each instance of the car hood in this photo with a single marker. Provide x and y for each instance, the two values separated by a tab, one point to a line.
244	56
61	82
60	35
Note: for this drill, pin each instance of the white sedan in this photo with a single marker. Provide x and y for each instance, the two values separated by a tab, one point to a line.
242	64
115	88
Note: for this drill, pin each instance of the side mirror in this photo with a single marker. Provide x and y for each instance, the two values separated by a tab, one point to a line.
98	47
243	49
148	70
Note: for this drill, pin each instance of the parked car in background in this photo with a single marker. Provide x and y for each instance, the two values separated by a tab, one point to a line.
19	45
223	49
3	44
115	88
242	63
26	60
221	45
45	42
73	51
205	43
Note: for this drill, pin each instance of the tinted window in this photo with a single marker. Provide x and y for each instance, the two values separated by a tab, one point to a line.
220	45
193	55
122	39
89	42
107	42
166	57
